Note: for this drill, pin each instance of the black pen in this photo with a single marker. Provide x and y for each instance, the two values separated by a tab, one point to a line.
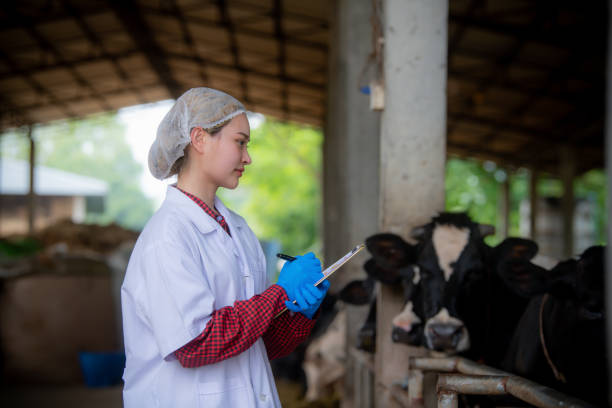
286	257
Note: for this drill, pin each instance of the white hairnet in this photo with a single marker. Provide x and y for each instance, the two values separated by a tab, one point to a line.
203	107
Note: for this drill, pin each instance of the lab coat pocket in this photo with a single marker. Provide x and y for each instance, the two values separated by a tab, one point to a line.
228	393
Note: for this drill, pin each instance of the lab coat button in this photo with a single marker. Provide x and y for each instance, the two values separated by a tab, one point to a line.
262	397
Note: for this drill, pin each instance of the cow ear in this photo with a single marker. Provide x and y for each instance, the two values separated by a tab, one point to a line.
486	230
357	292
390	251
385	276
512	261
418	233
562	279
515	249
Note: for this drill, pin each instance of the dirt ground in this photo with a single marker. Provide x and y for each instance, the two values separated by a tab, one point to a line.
64	397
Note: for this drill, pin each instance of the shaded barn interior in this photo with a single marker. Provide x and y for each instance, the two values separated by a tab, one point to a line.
525	87
523	77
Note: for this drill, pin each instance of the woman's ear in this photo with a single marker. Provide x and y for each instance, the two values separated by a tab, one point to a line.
198	138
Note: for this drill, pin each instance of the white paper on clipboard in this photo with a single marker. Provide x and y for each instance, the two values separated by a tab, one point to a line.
333	268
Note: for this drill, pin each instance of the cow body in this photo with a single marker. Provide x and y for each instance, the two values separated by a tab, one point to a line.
570	321
458	298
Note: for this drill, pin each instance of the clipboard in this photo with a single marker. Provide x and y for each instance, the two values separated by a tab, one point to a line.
331	269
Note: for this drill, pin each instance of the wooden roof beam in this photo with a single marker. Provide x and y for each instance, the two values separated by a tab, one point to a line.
229	26
46	45
33	70
94	39
282	56
458	35
513	30
41	90
502	64
290	40
129	14
262	74
188	39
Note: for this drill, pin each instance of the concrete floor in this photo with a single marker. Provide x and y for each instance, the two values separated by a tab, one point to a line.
61	396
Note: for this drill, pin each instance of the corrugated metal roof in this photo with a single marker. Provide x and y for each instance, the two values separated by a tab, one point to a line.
15	180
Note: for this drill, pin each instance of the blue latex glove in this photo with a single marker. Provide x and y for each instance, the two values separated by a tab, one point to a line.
304	269
309	298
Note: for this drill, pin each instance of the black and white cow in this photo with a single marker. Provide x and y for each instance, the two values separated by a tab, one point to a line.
391	265
457	300
560	339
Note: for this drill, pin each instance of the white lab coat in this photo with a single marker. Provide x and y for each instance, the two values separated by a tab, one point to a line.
185	266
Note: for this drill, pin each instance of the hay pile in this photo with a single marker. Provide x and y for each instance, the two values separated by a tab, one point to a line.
85	237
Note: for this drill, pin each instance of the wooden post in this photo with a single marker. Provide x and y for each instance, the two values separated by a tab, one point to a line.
567	172
412	151
608	296
32	193
505	205
533	203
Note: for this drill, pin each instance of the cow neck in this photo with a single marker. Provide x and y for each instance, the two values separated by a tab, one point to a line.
557	373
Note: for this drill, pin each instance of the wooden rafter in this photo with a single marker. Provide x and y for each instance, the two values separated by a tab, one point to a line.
501	65
282	56
48	46
41	90
208	22
253	71
188	39
229	26
128	13
95	40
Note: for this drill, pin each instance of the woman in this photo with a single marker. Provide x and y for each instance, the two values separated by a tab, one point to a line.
198	314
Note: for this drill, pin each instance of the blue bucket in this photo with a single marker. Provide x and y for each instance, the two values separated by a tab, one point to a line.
102	369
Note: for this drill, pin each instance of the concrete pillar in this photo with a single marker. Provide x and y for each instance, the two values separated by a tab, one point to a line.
533	203
351	155
567	172
609	174
412	149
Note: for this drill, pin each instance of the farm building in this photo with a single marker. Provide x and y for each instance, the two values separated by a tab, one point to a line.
398	88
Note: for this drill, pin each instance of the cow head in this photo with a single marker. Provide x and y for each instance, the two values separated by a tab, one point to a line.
580	282
450	259
512	262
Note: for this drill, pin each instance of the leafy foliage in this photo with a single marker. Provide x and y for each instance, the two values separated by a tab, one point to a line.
280	192
475	187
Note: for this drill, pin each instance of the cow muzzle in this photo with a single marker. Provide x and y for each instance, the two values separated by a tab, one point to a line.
446	333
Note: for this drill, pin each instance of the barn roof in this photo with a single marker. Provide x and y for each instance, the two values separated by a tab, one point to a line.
15	178
524	77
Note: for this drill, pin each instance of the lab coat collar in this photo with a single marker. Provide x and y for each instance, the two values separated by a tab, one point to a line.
177	199
233	219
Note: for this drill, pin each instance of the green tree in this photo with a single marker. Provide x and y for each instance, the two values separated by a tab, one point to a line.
280	192
94	147
475	188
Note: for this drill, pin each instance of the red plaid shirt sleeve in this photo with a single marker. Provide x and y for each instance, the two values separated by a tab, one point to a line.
286	332
233	329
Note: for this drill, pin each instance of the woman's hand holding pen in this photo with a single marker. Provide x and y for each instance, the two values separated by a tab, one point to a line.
297	278
309	298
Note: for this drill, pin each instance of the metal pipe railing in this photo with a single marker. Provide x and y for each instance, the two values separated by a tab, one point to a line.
481	380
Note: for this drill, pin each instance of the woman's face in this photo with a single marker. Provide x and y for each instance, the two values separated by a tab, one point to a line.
226	154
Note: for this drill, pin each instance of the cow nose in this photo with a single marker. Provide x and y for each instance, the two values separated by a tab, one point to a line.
445	336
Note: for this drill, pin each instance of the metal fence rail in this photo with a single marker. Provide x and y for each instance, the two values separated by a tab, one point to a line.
478	379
